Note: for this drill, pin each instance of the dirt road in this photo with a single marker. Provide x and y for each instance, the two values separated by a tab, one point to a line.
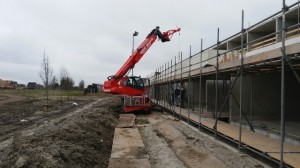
4	99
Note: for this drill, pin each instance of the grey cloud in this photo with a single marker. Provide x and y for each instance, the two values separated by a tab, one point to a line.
92	39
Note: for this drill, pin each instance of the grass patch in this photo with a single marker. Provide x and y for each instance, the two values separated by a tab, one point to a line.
41	93
141	121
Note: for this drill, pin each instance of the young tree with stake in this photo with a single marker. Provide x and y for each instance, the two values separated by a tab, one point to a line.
46	74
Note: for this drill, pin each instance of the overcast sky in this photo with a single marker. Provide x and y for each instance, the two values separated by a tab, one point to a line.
93	38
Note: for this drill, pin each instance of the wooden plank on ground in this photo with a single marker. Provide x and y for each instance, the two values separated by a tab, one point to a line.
128	149
128	144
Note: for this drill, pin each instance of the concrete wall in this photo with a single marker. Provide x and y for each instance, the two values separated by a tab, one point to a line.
210	95
266	97
193	93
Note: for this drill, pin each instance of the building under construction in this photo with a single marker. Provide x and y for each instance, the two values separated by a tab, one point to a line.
243	89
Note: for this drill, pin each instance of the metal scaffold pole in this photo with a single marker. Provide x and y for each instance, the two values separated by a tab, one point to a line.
216	81
174	104
155	86
241	82
251	101
189	89
162	84
200	86
168	84
282	119
165	70
181	88
171	88
158	85
164	88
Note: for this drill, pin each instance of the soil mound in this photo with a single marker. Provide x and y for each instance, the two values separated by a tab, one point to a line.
80	138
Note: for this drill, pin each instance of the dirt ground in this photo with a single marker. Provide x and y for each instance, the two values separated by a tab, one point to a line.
79	133
76	133
174	144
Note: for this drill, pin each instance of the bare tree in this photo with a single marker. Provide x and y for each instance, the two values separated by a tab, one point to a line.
81	85
46	74
66	81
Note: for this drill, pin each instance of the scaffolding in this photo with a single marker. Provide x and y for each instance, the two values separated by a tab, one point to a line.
271	47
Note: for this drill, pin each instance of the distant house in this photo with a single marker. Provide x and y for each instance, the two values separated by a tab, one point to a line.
34	85
31	85
8	84
94	88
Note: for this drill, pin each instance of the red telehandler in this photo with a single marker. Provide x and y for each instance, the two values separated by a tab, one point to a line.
134	89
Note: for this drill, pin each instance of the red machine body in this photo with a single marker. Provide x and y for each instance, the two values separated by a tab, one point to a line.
133	88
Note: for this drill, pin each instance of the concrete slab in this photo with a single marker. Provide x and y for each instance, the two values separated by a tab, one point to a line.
128	144
128	149
126	120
